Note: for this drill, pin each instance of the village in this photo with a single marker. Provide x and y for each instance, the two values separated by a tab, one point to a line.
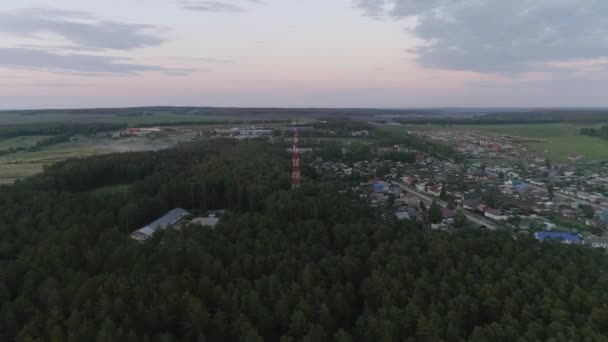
529	197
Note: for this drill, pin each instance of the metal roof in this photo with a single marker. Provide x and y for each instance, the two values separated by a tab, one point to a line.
402	215
206	221
566	237
163	222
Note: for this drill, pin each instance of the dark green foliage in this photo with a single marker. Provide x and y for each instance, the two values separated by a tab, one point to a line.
435	214
344	124
404	157
358	151
460	220
63	129
601	132
587	210
329	151
437	149
304	265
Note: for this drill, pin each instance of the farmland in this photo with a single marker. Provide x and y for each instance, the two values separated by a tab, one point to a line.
26	163
21	142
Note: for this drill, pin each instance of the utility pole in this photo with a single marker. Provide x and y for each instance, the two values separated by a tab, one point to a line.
295	162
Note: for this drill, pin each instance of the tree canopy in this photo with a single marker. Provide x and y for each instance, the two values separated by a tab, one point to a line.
283	265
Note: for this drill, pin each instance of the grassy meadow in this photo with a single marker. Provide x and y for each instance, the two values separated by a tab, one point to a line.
23	164
21	142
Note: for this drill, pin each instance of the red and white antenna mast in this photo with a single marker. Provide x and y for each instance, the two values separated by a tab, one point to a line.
295	162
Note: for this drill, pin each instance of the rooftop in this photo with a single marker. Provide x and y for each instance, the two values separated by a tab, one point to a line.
206	221
167	220
565	237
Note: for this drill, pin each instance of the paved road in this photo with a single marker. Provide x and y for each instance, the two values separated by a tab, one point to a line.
470	216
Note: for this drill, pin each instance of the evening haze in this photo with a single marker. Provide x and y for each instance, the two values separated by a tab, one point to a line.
303	53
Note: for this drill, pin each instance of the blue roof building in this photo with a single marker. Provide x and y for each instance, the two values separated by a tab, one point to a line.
604	216
566	238
520	186
378	185
169	219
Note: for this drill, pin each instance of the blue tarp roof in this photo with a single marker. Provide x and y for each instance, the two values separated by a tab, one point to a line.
520	186
378	185
569	237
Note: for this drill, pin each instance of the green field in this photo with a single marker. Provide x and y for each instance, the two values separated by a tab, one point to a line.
23	164
21	142
558	140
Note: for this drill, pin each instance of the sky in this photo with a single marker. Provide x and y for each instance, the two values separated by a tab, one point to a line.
303	53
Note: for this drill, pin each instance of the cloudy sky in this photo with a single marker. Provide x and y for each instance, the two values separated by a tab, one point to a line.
304	53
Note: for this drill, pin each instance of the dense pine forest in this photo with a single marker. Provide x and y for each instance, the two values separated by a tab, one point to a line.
282	265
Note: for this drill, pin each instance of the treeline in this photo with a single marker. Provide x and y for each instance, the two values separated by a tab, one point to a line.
512	118
343	123
39	144
362	150
437	149
403	157
246	113
211	122
12	131
601	132
282	265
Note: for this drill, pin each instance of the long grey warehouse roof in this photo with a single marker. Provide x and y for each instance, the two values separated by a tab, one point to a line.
163	222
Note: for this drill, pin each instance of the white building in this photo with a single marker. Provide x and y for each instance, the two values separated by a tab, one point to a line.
210	221
495	215
597	242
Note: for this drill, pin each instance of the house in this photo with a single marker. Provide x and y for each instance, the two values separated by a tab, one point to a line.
513	174
379	186
448	213
363	133
597	241
168	220
439	226
409	199
604	216
474	205
255	132
402	215
435	190
565	238
409	180
142	131
496	215
521	187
